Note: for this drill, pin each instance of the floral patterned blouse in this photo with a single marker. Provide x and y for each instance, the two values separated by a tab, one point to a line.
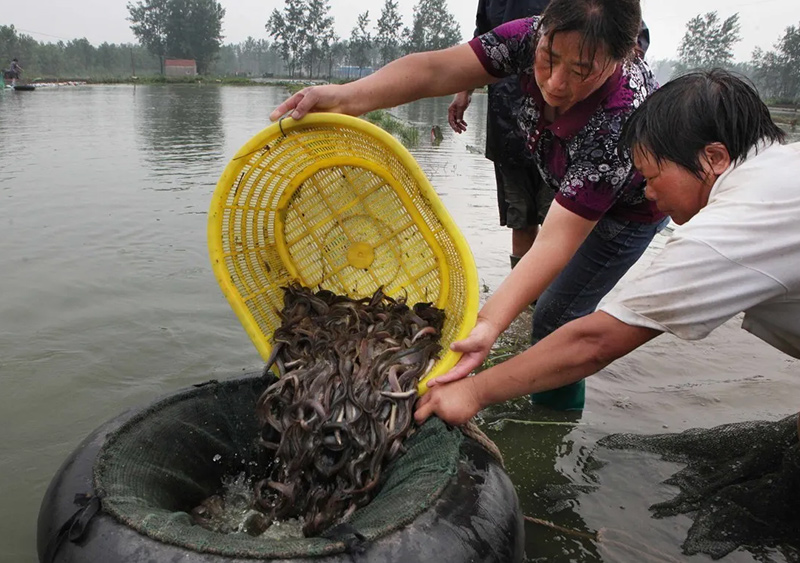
577	153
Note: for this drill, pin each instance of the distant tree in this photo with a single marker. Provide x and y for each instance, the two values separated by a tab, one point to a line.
149	24
247	55
318	32
228	60
194	30
745	69
777	73
79	55
405	40
388	32
433	27
9	45
106	58
361	42
178	31
75	58
21	46
260	56
708	42
50	61
287	28
662	69
254	57
328	41
789	49
205	18
337	53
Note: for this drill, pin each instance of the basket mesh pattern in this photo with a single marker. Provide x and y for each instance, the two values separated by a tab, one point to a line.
341	206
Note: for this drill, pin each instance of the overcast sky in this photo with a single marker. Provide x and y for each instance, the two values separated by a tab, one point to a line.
762	22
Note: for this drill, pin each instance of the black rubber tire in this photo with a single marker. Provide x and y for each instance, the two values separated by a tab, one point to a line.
476	519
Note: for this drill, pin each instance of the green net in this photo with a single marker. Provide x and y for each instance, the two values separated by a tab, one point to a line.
169	457
740	485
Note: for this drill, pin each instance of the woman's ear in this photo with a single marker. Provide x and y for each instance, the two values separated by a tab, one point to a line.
717	157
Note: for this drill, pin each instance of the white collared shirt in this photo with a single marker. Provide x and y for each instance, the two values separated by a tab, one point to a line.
740	253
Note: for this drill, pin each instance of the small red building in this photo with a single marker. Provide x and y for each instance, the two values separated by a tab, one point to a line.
180	67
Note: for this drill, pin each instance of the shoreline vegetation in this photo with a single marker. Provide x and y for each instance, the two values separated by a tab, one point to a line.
407	133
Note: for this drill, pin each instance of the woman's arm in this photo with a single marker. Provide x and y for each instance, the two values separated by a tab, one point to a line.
578	349
561	235
574	351
415	76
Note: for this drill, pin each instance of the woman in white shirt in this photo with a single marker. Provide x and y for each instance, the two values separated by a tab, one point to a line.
713	160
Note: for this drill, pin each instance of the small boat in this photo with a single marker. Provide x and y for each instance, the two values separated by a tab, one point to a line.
25	87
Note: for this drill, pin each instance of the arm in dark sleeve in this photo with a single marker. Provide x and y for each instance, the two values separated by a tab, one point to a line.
482	24
643	40
535	8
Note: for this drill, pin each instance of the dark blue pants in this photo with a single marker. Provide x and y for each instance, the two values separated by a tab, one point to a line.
608	252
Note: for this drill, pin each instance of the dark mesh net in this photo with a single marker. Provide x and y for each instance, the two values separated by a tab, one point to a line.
168	458
741	484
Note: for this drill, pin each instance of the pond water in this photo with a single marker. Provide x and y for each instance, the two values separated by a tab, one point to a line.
108	301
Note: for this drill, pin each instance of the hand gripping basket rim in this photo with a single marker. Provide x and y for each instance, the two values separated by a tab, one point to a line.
229	180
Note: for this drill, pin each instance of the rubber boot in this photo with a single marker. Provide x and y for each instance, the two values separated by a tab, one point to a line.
571	397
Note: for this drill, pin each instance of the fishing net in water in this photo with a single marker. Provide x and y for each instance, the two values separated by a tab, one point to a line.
170	457
740	486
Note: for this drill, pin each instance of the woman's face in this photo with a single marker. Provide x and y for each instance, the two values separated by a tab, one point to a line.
674	189
564	74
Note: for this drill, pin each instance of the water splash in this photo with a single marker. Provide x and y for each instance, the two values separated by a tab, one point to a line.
232	511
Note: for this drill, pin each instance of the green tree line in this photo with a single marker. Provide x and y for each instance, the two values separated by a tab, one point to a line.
303	42
303	34
708	42
76	58
79	59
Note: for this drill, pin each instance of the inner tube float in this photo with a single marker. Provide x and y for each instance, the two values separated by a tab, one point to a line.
475	517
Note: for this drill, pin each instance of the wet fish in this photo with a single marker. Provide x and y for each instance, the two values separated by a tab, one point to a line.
344	403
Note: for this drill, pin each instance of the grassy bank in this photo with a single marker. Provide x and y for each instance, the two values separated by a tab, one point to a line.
785	116
406	133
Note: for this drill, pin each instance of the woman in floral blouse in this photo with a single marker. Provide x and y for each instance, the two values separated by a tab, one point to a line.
576	64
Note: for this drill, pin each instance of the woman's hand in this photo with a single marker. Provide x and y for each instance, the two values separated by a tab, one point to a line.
474	348
330	97
455	403
455	113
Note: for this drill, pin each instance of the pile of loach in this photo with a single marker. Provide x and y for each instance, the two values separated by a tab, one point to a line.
343	404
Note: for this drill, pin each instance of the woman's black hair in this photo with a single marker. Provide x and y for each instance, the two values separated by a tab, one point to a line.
679	119
613	24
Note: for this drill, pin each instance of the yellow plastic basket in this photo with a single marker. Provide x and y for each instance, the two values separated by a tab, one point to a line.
333	201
